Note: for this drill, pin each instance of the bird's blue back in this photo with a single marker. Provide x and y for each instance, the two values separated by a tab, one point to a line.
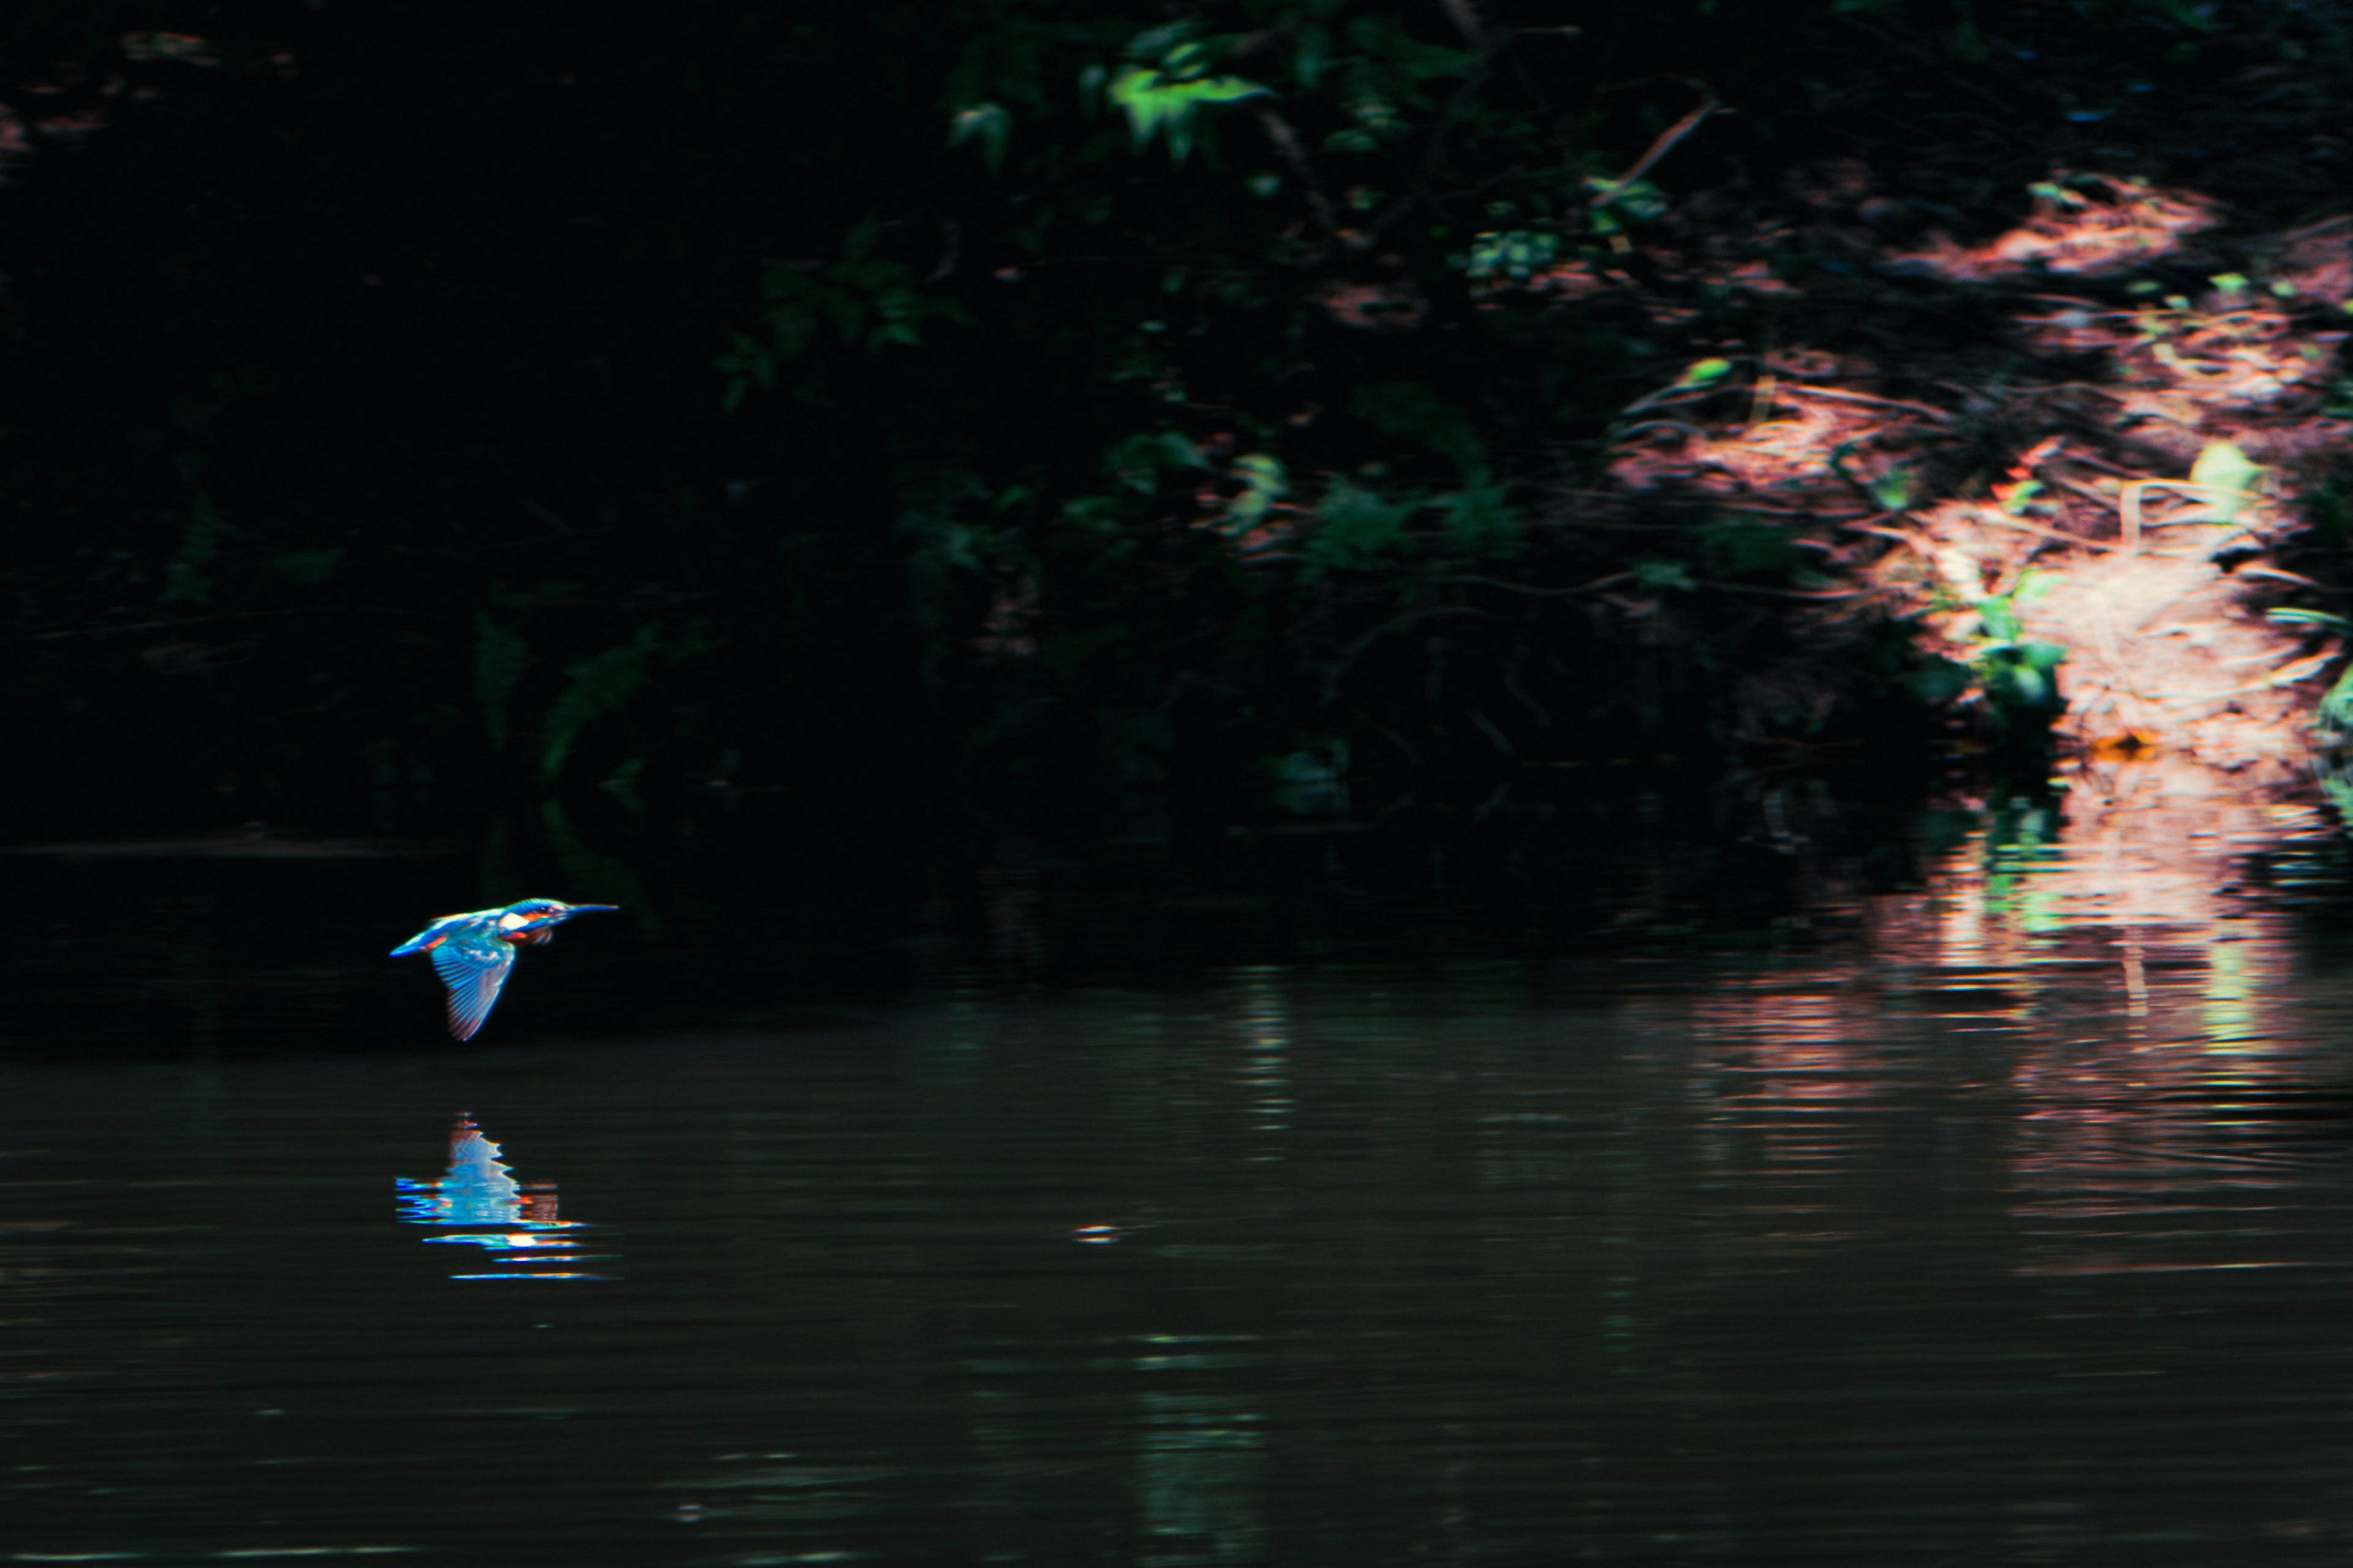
473	952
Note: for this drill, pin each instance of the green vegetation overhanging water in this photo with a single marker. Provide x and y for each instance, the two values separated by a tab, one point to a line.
1079	419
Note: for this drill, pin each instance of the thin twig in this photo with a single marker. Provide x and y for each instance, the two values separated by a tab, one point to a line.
1693	430
2092	461
2081	489
1794	389
2128	504
1660	148
1543	593
1787	592
2023	526
1399	622
2298	578
2287	675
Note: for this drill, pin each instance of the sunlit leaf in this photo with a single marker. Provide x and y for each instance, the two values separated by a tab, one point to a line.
2033	586
2230	474
1265	482
1157	104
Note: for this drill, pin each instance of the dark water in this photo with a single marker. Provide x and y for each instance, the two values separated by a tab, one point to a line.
2016	1227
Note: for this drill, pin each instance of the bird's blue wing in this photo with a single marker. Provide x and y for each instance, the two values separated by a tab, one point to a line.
425	940
473	971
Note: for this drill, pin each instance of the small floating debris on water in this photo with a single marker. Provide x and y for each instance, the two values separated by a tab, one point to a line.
1097	1234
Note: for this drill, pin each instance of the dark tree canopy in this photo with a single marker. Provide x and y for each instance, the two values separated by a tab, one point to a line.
1112	417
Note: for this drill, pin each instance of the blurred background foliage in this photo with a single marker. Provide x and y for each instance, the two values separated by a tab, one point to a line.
1107	421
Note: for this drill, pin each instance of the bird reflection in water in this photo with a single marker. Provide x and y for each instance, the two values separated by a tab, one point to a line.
478	1203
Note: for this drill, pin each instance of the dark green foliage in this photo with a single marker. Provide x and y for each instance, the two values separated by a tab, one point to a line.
1073	407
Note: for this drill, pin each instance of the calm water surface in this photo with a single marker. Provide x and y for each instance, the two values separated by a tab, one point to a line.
2016	1228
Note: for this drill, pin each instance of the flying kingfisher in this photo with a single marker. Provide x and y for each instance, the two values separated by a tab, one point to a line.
474	951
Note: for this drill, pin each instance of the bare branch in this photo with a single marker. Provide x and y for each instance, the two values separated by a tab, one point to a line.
1662	147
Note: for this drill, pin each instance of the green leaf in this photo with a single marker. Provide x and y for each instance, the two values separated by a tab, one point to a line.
600	685
1743	545
1138	460
1660	576
987	123
1701	372
1267	482
1312	780
1155	43
2336	713
1939	681
1639	202
2224	470
1159	105
1512	253
1354	526
1310	55
1480	521
2019	676
1893	490
1410	410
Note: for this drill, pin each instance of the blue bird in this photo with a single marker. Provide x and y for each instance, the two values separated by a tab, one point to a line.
474	951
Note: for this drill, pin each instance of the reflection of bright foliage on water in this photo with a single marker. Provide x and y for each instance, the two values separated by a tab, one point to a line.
478	1203
2098	965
